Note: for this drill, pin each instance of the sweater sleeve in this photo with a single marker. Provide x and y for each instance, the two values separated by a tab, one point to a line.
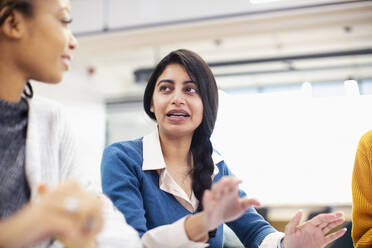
115	231
121	183
362	193
251	228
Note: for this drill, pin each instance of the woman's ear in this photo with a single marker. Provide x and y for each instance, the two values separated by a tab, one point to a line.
13	26
152	108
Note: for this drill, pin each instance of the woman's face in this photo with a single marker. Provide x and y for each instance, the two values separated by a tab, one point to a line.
47	41
176	102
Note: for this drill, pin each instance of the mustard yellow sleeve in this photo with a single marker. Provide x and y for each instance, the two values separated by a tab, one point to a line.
362	193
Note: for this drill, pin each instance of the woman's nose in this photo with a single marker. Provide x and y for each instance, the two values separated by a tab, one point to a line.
178	98
73	43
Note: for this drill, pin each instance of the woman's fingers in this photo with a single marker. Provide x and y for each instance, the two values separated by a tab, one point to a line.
60	226
226	185
69	203
326	218
207	195
92	220
88	220
332	225
65	212
333	236
247	203
291	226
339	214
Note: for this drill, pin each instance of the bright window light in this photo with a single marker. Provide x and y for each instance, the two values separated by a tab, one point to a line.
288	148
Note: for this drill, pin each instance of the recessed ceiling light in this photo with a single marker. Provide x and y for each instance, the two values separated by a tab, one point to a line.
263	1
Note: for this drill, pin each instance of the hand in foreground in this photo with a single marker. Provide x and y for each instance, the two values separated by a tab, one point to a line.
222	203
66	213
313	233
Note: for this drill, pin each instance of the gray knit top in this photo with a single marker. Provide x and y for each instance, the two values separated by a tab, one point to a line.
14	189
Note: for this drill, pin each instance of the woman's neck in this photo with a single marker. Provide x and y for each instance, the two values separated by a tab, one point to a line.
12	82
176	150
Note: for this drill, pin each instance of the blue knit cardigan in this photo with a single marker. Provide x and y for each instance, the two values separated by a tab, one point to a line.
137	195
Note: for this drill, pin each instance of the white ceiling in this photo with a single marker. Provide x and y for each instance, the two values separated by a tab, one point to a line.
139	33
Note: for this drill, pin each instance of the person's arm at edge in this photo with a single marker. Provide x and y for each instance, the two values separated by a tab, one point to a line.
14	228
361	190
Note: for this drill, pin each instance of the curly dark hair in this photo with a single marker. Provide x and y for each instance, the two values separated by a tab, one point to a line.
201	146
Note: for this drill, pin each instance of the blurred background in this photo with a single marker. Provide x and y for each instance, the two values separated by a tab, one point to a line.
295	80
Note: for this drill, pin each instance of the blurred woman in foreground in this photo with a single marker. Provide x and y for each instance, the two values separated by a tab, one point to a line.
43	197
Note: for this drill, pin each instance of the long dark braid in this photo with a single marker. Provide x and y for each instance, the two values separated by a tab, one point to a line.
201	146
201	149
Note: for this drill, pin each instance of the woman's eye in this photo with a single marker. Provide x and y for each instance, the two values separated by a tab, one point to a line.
164	88
191	90
66	21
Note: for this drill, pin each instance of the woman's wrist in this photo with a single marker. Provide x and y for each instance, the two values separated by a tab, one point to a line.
196	227
15	228
282	243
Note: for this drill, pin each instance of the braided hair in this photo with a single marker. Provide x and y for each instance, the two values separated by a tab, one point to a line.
201	146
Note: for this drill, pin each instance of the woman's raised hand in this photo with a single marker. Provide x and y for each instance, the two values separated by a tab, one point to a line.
313	233
222	203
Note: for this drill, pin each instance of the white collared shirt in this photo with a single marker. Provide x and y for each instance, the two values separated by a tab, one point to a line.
153	160
174	235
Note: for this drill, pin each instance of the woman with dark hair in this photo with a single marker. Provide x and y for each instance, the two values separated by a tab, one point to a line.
174	189
43	199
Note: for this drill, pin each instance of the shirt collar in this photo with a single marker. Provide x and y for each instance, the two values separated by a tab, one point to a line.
153	156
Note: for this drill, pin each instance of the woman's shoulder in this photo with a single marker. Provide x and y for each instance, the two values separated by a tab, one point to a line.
39	104
49	117
125	150
125	156
218	159
47	113
127	146
365	144
223	169
367	137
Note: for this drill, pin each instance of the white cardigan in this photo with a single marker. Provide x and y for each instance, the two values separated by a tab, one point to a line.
52	156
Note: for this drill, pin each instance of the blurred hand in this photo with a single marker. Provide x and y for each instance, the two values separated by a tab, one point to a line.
67	213
313	233
222	203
